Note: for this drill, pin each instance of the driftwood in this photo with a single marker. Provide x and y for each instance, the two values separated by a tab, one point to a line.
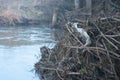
71	60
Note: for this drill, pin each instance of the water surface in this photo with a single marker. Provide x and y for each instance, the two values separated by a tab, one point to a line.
19	50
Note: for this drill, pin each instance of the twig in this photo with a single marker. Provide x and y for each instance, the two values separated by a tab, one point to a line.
59	75
114	40
63	58
73	35
97	50
82	47
51	69
110	42
106	38
108	55
114	4
73	73
117	35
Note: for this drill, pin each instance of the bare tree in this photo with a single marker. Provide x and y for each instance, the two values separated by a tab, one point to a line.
89	7
76	4
54	18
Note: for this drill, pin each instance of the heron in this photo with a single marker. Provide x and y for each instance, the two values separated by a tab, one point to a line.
83	33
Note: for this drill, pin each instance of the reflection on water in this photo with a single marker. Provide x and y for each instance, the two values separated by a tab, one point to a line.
18	49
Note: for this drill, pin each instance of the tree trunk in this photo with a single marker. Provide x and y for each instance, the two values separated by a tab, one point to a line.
54	18
89	7
76	4
106	7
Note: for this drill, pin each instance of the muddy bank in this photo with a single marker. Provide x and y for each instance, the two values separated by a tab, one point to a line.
71	60
11	18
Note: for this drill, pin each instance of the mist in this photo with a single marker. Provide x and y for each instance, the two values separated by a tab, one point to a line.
19	7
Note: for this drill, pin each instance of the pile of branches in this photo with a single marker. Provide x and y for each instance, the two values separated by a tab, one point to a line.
71	60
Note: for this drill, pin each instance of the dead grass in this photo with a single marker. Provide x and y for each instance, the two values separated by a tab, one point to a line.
10	16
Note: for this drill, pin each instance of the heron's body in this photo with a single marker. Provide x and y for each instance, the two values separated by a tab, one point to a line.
83	34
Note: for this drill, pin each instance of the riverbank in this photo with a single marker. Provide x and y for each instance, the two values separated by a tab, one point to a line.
20	21
71	60
11	18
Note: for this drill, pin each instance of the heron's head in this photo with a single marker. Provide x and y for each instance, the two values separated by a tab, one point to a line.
75	25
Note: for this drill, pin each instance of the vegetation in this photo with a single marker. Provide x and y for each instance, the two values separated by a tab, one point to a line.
70	59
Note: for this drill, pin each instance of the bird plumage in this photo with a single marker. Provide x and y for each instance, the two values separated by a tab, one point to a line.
83	34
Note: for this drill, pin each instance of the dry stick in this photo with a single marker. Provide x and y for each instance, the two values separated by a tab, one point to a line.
97	51
60	51
82	47
98	5
78	60
103	68
114	4
73	73
113	18
108	55
87	59
107	20
116	19
109	41
117	35
52	69
114	57
94	54
115	40
110	62
56	58
115	54
59	75
111	30
74	35
105	37
49	51
63	58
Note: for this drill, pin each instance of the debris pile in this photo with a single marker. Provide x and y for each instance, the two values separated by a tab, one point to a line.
71	59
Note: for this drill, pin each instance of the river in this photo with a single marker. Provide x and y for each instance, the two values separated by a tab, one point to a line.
20	49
